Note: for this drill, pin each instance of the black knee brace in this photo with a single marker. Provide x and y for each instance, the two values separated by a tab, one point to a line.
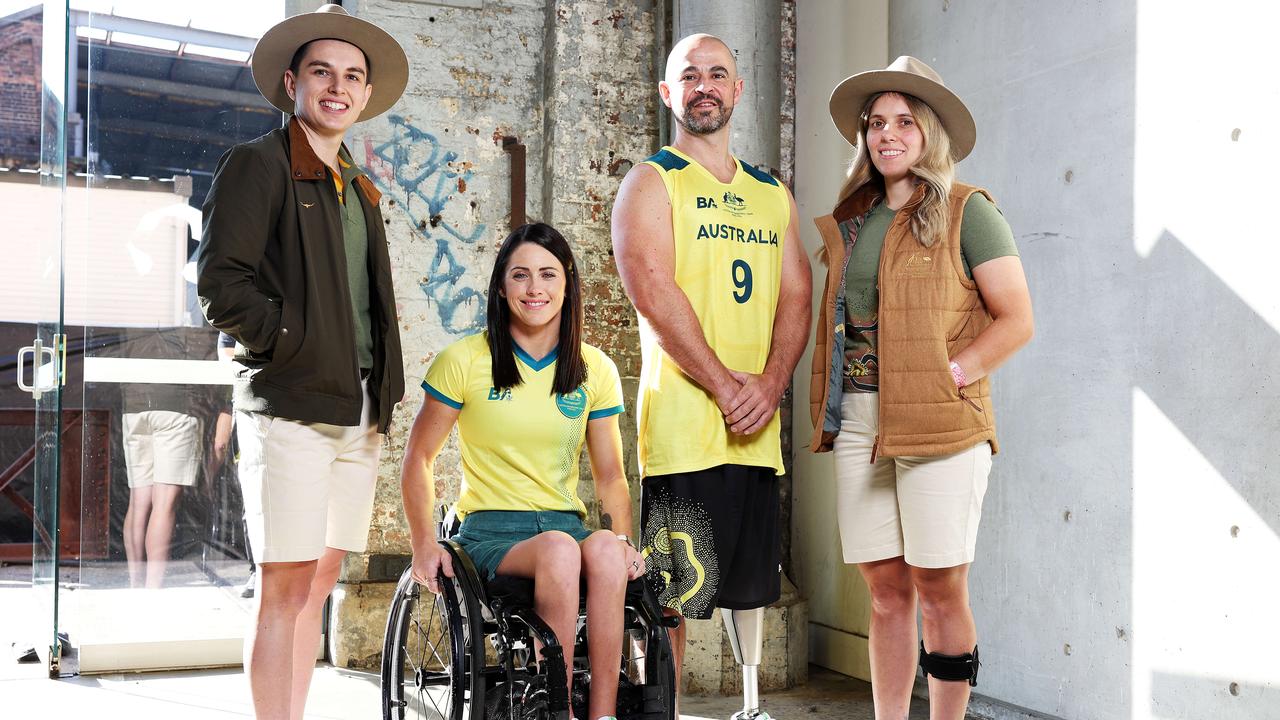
954	668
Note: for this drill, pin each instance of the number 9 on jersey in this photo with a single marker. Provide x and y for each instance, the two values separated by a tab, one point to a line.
741	281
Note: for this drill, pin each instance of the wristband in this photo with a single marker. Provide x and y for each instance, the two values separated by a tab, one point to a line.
957	374
627	540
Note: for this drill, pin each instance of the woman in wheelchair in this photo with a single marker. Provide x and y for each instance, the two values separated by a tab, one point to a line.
525	395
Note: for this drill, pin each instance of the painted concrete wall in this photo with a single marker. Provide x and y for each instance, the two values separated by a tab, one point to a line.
834	39
1129	543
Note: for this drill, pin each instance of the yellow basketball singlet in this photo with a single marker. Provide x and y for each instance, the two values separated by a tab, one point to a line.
728	250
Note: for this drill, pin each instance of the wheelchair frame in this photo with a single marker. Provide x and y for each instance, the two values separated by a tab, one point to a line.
467	653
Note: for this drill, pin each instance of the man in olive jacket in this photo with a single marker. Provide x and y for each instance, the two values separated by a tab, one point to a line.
294	265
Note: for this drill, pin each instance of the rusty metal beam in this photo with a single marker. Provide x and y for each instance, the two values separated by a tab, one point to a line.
512	146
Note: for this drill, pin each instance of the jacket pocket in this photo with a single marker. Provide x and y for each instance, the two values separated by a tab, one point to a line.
288	336
969	400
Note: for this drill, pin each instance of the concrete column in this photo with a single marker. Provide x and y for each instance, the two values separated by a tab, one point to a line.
834	39
297	7
752	30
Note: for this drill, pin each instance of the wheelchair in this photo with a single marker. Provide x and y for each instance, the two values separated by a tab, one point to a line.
467	653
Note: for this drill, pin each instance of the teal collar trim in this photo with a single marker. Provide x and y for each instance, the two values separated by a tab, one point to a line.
536	365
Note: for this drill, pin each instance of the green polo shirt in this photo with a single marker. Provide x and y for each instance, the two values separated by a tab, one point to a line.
356	238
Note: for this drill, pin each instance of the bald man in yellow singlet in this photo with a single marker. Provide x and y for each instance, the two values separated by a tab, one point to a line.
709	252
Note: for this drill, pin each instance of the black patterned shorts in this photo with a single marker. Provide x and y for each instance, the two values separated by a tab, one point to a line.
711	538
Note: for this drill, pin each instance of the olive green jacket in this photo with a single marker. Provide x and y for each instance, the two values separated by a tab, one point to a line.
271	273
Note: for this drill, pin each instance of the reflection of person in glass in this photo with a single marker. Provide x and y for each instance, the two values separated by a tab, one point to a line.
525	396
222	451
294	265
925	297
163	454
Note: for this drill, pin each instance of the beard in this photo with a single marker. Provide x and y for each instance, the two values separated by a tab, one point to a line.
706	123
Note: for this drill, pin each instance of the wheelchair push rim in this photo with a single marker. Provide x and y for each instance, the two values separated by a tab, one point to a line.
429	655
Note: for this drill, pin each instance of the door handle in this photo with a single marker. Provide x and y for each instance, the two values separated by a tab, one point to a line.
38	352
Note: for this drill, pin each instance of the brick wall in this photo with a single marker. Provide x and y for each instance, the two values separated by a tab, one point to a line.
576	83
20	46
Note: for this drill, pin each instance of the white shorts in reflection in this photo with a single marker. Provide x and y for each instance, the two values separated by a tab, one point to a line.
161	446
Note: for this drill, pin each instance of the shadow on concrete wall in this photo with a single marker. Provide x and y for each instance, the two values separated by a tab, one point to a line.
1212	364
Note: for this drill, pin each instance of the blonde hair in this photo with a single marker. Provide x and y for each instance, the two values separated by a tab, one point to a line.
935	169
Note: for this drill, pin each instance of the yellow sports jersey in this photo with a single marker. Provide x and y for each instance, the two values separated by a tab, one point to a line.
728	252
520	446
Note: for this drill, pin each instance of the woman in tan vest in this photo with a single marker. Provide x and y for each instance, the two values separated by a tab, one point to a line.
925	296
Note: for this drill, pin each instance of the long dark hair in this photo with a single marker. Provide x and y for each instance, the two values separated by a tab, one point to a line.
571	370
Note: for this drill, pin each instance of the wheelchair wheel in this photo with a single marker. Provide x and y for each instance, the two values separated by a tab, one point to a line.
432	656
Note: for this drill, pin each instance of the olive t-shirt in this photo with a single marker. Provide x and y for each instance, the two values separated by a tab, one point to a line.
355	237
984	235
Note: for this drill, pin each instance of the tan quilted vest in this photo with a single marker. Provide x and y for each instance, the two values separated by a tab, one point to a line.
929	311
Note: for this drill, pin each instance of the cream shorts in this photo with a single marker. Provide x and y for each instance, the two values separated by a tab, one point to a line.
307	486
925	509
161	446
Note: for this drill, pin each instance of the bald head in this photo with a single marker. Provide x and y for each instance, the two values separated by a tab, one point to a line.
701	85
700	46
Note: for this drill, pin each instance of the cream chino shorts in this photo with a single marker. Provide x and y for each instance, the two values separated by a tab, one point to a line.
307	486
925	509
161	446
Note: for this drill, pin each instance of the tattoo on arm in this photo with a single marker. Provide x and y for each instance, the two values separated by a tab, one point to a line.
606	521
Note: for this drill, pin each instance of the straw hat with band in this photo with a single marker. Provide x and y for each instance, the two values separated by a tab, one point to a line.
388	65
909	76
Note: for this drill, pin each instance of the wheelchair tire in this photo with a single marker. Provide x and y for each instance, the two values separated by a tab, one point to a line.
432	655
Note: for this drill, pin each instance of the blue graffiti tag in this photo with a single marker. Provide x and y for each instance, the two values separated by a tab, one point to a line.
423	188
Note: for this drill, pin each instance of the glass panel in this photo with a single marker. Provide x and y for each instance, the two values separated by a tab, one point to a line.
47	315
162	554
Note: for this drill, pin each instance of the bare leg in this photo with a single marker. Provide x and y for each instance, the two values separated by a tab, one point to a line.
164	510
604	564
948	629
283	589
554	561
306	631
135	534
892	644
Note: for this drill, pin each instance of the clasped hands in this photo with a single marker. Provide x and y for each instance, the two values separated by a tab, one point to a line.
752	403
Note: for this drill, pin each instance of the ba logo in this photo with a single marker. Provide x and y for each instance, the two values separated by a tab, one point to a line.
734	202
706	202
572	405
495	394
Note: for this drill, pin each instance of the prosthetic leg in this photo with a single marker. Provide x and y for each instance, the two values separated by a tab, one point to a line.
746	635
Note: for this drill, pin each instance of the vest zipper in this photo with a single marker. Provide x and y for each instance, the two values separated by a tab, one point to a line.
875	449
969	400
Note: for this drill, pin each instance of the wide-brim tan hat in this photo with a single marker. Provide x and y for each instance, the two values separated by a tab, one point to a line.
912	77
388	65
